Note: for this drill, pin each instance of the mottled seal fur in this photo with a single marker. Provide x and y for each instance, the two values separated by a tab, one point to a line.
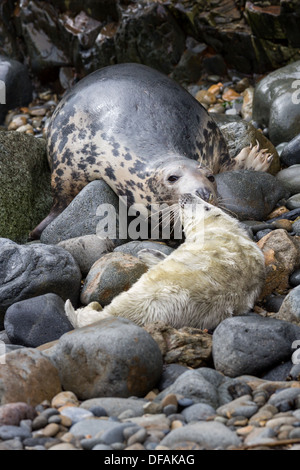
217	272
141	132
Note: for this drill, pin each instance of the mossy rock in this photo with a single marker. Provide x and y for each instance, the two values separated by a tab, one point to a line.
25	194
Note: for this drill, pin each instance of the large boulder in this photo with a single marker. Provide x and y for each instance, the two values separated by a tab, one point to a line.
25	194
276	103
113	357
31	270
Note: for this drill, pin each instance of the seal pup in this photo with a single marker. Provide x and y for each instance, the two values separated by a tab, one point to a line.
146	136
217	272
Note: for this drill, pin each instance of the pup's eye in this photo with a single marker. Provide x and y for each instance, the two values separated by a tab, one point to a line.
173	178
211	178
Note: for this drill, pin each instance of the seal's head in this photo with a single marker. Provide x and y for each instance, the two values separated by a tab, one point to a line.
175	178
195	214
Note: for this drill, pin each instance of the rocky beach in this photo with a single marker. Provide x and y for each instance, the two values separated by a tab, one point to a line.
116	386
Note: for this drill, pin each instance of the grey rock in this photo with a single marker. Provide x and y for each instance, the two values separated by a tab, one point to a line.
170	373
274	103
293	202
284	399
115	434
210	435
36	321
86	250
202	385
260	436
25	191
294	279
296	227
93	427
239	134
86	215
113	357
31	270
18	88
290	307
198	412
102	447
76	414
290	154
249	194
290	178
252	344
11	432
279	373
114	406
109	276
242	406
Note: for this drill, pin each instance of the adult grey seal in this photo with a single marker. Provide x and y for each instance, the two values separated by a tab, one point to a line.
141	132
217	272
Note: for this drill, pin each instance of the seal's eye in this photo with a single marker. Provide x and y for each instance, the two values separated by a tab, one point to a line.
173	178
211	178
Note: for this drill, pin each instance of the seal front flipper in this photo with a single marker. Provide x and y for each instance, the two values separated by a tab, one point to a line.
251	158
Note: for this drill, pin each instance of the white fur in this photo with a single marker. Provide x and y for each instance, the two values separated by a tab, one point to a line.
217	272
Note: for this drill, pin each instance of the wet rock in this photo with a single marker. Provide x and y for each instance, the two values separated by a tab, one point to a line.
109	276
290	178
86	250
249	194
275	104
185	346
35	269
150	35
85	215
293	202
290	154
252	344
15	85
281	259
239	134
36	321
46	44
29	377
24	184
290	308
113	357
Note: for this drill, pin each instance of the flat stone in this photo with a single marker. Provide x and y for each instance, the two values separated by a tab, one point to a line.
210	435
242	406
114	406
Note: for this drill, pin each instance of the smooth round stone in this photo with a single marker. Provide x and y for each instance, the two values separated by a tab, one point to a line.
113	357
290	307
283	399
290	154
210	435
294	279
198	412
94	427
11	432
102	447
290	178
293	202
76	414
296	227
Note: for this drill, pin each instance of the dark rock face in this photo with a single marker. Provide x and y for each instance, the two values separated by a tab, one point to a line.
15	85
58	34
